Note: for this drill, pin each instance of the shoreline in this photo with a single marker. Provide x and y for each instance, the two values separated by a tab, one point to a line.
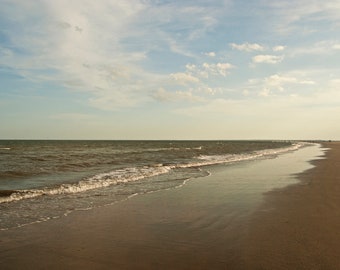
298	227
206	224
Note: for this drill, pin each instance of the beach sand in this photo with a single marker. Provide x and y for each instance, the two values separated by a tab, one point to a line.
299	227
216	222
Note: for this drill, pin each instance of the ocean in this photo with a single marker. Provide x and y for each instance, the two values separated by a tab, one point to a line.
42	180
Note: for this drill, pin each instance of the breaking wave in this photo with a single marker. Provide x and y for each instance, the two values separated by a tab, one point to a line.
132	174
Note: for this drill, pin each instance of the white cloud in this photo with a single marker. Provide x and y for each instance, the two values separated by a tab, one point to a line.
325	47
207	70
279	48
77	44
210	91
285	84
167	96
277	81
307	82
303	16
245	92
269	59
248	47
265	92
96	46
335	83
5	52
221	69
217	69
336	47
183	78
211	54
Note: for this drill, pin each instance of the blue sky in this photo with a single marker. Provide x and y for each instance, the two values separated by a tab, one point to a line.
153	69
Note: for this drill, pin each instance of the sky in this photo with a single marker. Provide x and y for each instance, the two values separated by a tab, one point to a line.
160	69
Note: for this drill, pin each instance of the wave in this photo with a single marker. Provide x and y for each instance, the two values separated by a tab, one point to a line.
229	158
163	149
98	181
5	148
132	174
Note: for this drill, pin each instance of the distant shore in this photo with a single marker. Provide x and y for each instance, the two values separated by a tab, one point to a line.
218	222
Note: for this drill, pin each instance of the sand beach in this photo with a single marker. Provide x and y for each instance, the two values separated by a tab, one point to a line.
236	218
298	227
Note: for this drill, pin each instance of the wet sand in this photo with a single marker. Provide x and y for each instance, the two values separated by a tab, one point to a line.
299	227
217	222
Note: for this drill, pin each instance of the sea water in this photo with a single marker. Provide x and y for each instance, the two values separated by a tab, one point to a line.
40	180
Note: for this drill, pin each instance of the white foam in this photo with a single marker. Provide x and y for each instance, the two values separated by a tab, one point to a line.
97	181
229	158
